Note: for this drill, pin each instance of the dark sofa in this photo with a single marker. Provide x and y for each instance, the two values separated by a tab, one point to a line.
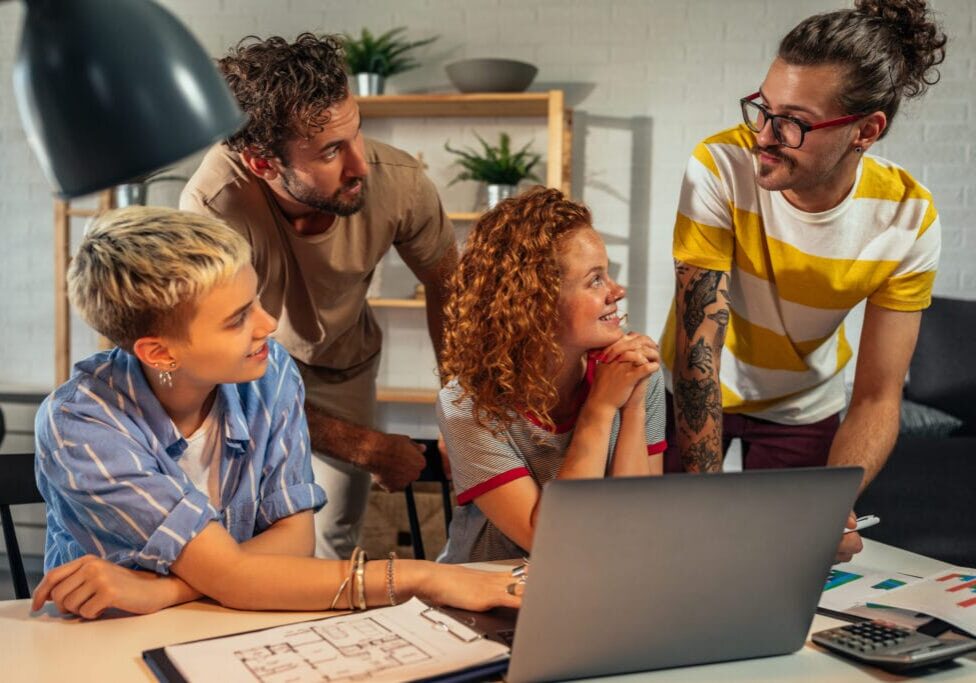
926	494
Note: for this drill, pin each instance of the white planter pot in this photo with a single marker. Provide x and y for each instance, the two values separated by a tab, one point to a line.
497	193
369	84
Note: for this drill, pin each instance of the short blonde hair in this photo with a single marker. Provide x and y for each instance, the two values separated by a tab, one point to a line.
141	270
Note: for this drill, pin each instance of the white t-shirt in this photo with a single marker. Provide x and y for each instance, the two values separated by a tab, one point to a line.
202	453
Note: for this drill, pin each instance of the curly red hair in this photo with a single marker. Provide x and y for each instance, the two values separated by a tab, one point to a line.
501	315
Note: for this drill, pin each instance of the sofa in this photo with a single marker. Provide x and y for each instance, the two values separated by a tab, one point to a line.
926	493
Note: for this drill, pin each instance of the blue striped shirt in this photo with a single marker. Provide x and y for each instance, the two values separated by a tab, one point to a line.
107	463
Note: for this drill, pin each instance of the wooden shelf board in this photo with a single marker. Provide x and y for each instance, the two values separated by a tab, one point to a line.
406	395
396	303
464	216
453	104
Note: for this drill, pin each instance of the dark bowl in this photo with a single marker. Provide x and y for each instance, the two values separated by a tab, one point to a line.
491	75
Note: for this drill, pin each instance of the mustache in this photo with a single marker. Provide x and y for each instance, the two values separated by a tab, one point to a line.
771	151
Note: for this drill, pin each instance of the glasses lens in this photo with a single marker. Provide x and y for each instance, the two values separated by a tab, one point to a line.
787	132
753	115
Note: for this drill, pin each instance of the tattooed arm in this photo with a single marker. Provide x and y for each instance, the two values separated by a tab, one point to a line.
702	310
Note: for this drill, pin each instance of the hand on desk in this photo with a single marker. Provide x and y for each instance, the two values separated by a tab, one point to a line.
850	543
469	589
90	585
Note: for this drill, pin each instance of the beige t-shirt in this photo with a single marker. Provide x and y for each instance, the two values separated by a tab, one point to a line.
316	285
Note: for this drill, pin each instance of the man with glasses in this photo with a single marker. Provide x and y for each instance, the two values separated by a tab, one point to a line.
784	225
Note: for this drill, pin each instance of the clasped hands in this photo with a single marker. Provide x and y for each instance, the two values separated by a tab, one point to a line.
622	370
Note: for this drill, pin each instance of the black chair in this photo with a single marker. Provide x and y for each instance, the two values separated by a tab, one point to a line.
434	471
17	487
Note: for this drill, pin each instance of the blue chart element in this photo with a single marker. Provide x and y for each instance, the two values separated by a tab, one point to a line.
888	584
838	578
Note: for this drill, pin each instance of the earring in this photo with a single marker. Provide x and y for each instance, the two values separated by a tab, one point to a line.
858	149
166	376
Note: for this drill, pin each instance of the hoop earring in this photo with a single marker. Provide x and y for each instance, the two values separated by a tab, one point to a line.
858	149
166	376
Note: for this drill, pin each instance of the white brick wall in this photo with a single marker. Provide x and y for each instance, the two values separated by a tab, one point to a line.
648	78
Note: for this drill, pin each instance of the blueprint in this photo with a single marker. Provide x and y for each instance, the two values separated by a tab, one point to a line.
394	643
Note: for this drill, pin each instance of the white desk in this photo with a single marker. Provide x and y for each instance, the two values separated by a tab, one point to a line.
46	647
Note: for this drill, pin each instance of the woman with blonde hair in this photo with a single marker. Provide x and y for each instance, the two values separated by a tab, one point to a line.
542	380
177	465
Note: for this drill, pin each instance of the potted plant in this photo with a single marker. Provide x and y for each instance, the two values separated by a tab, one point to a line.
373	59
497	166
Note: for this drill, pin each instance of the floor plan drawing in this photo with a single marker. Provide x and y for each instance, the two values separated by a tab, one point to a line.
408	641
362	649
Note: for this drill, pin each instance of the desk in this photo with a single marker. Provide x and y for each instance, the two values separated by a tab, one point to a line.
50	648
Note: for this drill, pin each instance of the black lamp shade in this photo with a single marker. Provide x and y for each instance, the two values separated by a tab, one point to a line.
109	90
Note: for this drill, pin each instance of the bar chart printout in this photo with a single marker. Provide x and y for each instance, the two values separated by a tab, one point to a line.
850	585
961	582
949	595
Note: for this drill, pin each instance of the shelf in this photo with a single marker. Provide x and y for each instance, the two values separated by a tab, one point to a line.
453	104
464	216
406	395
396	303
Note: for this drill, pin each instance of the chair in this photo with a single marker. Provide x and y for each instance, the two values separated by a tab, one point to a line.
17	487
433	471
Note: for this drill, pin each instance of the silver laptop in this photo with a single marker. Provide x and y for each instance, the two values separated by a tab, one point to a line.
648	573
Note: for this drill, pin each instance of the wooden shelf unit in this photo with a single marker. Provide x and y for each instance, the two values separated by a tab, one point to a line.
406	395
464	216
385	302
550	104
559	124
63	213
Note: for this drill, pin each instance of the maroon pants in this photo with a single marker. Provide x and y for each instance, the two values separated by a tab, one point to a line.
765	444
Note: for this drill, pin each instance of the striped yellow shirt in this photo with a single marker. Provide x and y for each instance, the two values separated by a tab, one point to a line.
795	275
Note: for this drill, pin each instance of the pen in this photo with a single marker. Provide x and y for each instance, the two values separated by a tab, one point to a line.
864	522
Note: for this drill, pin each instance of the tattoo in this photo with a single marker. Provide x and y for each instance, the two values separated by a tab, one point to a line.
697	400
700	357
721	319
703	456
702	292
680	268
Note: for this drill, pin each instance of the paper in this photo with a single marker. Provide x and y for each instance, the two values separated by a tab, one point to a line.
849	585
394	643
949	595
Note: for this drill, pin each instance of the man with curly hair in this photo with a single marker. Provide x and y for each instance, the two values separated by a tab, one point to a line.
321	205
785	223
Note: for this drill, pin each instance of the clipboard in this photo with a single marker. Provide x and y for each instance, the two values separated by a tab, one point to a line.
162	668
165	669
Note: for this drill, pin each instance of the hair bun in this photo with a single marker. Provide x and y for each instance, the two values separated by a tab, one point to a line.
921	38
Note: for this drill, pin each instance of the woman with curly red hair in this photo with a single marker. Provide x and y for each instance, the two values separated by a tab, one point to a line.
542	381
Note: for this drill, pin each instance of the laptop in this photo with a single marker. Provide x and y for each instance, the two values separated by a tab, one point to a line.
647	573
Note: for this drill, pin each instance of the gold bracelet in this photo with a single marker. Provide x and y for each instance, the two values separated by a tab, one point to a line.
390	585
338	594
345	582
361	579
352	576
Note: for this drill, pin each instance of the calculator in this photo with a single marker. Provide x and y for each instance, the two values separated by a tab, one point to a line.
890	646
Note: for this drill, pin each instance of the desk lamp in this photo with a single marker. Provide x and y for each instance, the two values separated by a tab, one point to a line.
109	90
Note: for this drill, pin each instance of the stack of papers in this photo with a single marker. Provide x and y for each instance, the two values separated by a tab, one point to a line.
949	595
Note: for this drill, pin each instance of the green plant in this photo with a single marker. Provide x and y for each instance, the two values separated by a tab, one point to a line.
495	165
385	54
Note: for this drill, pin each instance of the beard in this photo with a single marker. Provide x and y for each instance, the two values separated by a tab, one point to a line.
765	172
334	203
